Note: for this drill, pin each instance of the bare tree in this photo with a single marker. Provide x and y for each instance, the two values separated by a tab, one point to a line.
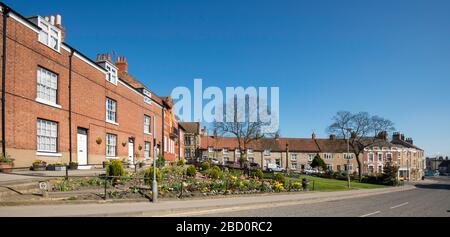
361	129
246	131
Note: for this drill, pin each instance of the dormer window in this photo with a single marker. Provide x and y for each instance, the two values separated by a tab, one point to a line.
49	34
112	73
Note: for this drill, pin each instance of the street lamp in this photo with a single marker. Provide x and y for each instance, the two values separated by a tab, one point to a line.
348	158
154	183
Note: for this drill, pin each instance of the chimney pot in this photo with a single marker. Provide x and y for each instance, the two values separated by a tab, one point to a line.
98	57
103	57
47	19
332	137
58	20
109	56
52	20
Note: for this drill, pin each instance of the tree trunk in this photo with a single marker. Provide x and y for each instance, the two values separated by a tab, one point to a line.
359	167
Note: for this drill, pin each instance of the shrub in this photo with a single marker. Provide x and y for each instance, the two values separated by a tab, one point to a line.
258	174
149	175
180	163
191	171
279	178
297	185
115	168
160	162
278	186
205	165
214	174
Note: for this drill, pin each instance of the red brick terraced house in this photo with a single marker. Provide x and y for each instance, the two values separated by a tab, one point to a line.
59	106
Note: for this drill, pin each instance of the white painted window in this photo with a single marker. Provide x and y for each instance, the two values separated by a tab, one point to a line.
47	86
111	145
311	157
348	156
165	144
49	34
370	170
210	149
47	136
370	158
237	151
380	169
380	157
147	124
111	76
251	160
389	157
294	157
226	159
249	151
111	108
348	167
147	150
330	167
187	153
267	152
328	156
293	166
225	151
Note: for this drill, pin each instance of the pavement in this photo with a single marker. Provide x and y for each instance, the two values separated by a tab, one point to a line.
19	176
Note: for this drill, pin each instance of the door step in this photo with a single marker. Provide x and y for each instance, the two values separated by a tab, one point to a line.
85	167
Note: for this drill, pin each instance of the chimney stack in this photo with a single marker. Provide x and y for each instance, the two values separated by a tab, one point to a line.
410	141
332	137
122	64
313	136
52	20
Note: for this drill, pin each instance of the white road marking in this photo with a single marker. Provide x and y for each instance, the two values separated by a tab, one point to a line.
373	213
400	205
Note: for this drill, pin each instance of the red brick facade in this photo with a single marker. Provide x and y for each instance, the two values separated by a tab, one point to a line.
89	90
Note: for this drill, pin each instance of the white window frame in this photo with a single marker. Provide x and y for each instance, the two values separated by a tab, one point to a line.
387	157
328	156
267	152
225	151
294	156
112	73
380	159
347	155
210	149
370	157
111	145
368	170
46	136
328	167
113	111
147	152
47	84
147	124
311	157
237	151
294	166
50	31
249	151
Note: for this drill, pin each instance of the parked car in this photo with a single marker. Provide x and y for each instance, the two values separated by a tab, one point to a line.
215	161
310	171
275	168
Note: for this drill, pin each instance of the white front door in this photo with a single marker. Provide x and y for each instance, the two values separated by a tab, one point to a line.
131	151
82	146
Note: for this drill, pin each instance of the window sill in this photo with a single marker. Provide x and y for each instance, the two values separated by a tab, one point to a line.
41	101
112	158
146	133
48	154
112	122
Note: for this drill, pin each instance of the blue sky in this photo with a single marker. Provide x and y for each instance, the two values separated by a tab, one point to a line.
390	58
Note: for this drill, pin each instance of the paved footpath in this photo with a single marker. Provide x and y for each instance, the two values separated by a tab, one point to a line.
192	207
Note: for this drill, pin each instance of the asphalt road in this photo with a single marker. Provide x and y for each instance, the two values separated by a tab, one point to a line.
427	200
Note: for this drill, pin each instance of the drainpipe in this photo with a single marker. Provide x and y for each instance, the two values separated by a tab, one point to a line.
70	106
5	17
163	137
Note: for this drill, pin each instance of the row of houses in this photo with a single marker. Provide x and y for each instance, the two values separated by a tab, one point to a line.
296	154
58	105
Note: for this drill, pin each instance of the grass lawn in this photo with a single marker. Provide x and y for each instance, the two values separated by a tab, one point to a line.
328	185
